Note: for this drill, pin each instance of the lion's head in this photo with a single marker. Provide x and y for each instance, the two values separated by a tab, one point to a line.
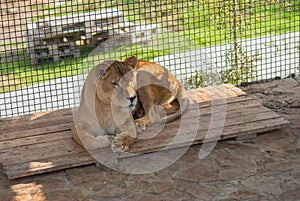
116	83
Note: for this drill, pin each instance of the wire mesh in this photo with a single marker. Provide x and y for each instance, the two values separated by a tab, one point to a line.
47	47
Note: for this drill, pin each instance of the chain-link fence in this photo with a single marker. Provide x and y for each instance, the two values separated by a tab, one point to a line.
48	46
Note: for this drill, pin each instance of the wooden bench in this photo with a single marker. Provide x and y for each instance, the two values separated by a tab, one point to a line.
41	142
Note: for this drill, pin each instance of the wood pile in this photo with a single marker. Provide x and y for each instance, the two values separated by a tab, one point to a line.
59	37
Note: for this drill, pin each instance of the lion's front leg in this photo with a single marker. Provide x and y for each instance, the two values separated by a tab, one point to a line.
84	137
125	136
153	115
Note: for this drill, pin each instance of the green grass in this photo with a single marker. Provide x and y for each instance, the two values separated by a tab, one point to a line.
208	29
185	25
25	74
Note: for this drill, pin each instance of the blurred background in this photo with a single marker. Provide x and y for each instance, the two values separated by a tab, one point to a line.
48	47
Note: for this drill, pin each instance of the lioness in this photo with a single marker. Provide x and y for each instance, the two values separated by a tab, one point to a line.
156	86
109	97
104	117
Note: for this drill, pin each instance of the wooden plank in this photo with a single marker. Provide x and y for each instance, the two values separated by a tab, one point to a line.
152	145
174	105
36	120
40	151
255	127
220	101
35	131
217	105
231	123
220	109
229	133
238	115
24	119
48	165
204	121
246	137
17	142
187	131
215	92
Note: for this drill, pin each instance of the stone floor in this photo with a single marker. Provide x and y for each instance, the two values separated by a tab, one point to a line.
267	168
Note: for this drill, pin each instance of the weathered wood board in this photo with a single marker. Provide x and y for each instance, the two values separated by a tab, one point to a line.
42	142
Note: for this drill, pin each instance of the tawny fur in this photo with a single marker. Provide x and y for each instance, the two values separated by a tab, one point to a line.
94	121
107	95
157	87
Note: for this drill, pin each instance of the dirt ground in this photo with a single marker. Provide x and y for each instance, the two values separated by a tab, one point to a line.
267	168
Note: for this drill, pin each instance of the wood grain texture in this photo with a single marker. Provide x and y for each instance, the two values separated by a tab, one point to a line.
40	143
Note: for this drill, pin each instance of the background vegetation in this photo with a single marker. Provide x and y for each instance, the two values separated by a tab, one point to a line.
200	23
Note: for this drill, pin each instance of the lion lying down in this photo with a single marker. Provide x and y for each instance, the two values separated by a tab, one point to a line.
114	92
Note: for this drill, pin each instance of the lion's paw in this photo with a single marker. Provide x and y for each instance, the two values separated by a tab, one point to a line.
121	143
142	123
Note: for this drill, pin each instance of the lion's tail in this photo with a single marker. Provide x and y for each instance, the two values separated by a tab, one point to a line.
184	103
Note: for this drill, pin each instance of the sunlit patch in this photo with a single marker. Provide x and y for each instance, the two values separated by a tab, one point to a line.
28	191
40	165
38	115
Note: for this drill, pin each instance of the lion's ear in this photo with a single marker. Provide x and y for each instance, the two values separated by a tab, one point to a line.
131	61
104	73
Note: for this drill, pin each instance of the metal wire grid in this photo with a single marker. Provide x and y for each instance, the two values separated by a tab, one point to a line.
43	68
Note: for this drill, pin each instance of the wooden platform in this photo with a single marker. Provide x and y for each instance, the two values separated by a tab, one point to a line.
42	142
